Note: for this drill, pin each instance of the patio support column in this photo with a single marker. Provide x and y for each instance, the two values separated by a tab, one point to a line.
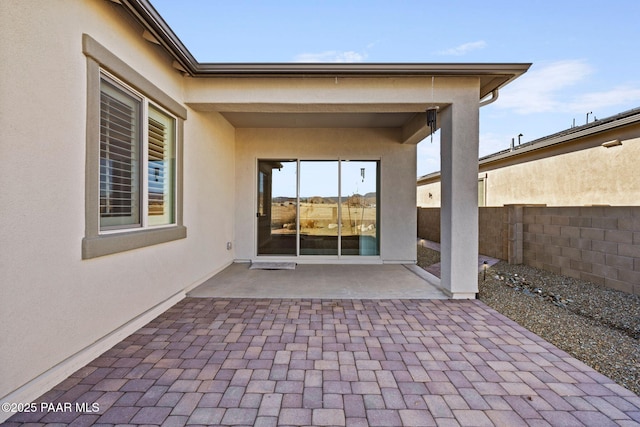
459	210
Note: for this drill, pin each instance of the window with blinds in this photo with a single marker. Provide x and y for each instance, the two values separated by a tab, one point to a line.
119	157
160	167
127	199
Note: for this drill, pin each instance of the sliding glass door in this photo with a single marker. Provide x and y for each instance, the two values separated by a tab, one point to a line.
318	207
359	208
277	207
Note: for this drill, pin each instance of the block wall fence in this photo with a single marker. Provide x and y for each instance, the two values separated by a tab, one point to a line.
599	244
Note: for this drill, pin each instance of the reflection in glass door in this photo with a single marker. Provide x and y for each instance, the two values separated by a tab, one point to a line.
359	208
318	207
277	212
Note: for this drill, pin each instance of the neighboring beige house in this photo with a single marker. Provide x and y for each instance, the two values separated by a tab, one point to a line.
593	164
131	173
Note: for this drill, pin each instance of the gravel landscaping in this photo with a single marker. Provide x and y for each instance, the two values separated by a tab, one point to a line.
596	325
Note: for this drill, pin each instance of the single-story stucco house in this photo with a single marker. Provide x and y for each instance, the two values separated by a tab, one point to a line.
592	164
131	173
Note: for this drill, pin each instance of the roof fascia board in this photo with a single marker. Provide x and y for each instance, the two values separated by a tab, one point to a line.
363	69
533	146
146	14
429	178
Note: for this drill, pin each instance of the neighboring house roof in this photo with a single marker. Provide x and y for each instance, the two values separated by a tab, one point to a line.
597	126
156	30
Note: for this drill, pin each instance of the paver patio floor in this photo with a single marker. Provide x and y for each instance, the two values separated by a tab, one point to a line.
262	362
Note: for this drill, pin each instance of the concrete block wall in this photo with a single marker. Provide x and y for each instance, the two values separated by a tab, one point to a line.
600	244
429	224
493	232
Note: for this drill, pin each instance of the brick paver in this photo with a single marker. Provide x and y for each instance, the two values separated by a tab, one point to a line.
246	362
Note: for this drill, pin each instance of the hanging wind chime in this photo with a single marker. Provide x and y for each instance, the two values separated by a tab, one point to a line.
432	112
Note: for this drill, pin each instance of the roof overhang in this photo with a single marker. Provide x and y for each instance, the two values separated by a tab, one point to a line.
492	77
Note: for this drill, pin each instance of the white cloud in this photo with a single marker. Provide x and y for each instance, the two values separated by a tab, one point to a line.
619	95
549	89
331	56
463	49
540	89
493	142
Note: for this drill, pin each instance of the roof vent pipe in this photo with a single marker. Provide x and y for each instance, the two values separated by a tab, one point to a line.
513	141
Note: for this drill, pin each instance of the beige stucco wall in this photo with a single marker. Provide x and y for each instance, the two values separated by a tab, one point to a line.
52	303
397	177
324	94
590	176
423	192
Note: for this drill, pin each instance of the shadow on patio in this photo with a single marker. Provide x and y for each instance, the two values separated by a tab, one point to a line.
325	281
337	362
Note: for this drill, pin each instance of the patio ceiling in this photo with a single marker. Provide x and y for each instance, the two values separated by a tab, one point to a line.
312	103
317	120
318	115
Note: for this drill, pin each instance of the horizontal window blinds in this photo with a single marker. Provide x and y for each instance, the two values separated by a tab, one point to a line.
160	167
119	159
156	169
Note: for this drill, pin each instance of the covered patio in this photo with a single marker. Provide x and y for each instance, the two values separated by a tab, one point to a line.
334	362
321	281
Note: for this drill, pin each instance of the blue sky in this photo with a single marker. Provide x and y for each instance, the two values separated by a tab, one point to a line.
585	53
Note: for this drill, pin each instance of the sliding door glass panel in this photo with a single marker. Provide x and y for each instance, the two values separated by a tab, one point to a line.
359	208
318	207
277	207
